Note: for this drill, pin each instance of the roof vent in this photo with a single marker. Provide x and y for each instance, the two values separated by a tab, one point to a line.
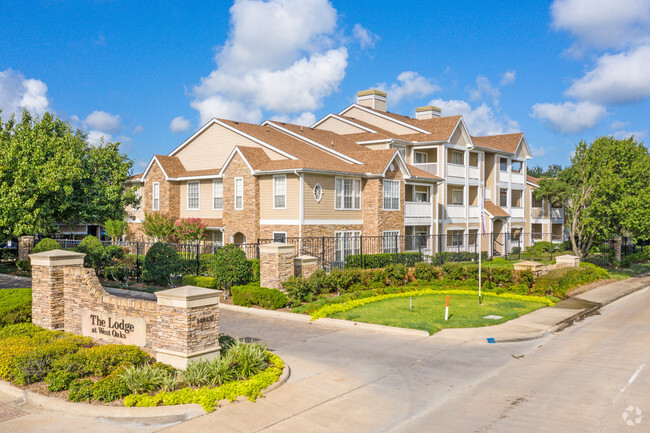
372	98
427	112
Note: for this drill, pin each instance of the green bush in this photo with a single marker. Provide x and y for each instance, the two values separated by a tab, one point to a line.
94	251
15	306
160	262
339	280
142	379
8	254
46	244
207	282
424	271
112	253
231	266
299	289
371	261
526	278
255	268
453	271
24	265
396	274
81	390
502	276
102	360
463	256
59	380
252	294
110	388
558	282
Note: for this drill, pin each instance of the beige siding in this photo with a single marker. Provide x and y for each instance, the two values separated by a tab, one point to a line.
292	210
458	138
325	209
379	122
339	127
205	202
213	146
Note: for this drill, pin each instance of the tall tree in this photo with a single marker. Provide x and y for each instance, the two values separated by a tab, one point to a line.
49	174
605	192
553	170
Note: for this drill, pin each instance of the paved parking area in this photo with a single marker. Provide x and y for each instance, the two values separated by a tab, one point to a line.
14	282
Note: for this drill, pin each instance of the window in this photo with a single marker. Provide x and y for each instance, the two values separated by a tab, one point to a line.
193	195
455	238
515	234
239	193
457	196
280	237
390	241
280	192
535	202
421	158
217	237
348	194
155	201
217	194
401	149
318	192
421	197
391	194
516	198
473	159
503	197
456	157
503	164
138	195
345	243
516	166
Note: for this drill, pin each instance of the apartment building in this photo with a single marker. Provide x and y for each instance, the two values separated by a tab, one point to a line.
364	171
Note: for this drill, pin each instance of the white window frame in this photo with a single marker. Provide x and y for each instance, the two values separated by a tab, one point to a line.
455	152
415	157
401	149
455	236
214	193
354	196
521	166
276	194
507	197
155	196
280	233
390	186
388	244
462	192
352	238
198	196
239	192
506	161
521	198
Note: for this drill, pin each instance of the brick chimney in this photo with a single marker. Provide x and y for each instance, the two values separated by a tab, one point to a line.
427	112
372	98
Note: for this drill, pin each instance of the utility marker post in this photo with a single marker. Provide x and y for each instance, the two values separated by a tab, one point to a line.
447	309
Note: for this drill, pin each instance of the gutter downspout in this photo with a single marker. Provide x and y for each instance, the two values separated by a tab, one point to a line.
302	210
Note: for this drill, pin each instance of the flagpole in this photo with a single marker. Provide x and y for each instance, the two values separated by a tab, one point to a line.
480	240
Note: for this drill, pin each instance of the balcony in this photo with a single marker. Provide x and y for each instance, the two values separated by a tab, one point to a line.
474	173
517	178
474	212
517	212
455	170
455	211
429	167
557	214
417	213
538	213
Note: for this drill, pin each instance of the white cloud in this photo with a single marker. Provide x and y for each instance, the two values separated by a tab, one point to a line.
103	121
616	79
484	89
481	120
569	117
603	23
508	77
138	129
366	38
95	137
305	119
18	92
179	124
538	151
280	56
638	135
410	84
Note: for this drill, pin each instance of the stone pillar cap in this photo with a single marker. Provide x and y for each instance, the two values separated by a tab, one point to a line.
276	247
57	258
188	297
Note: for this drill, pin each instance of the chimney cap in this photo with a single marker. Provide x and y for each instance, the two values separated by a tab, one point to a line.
371	92
427	108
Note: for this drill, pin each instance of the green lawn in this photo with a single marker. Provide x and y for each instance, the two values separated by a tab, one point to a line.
428	312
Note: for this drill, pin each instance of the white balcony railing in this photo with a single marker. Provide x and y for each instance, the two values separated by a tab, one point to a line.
417	210
456	211
474	212
429	167
474	173
538	213
455	170
517	178
517	212
557	214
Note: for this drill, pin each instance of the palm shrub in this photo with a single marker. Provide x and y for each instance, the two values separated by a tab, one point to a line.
231	266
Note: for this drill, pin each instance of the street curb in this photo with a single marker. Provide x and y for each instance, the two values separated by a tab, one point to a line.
158	414
327	321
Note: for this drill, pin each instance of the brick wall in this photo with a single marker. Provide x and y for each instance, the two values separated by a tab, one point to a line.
169	192
247	219
376	220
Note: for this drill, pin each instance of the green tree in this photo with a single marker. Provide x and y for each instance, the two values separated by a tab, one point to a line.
115	229
553	170
159	226
605	192
49	174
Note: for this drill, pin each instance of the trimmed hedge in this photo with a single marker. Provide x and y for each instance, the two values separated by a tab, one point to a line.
560	281
253	294
46	244
371	261
15	306
199	281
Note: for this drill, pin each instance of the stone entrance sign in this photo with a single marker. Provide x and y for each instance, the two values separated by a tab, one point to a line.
114	329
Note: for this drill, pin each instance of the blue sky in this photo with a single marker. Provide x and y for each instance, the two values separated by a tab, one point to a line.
148	74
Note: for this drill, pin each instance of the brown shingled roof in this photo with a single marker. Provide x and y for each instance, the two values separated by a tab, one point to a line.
495	210
532	179
171	165
504	142
212	222
136	176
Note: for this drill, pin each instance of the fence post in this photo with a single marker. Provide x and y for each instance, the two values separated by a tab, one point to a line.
419	250
322	252
361	251
257	248
396	247
198	263
137	261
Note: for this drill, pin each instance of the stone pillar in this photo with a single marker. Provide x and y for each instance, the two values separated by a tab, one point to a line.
304	266
188	325
25	247
47	286
276	264
567	260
